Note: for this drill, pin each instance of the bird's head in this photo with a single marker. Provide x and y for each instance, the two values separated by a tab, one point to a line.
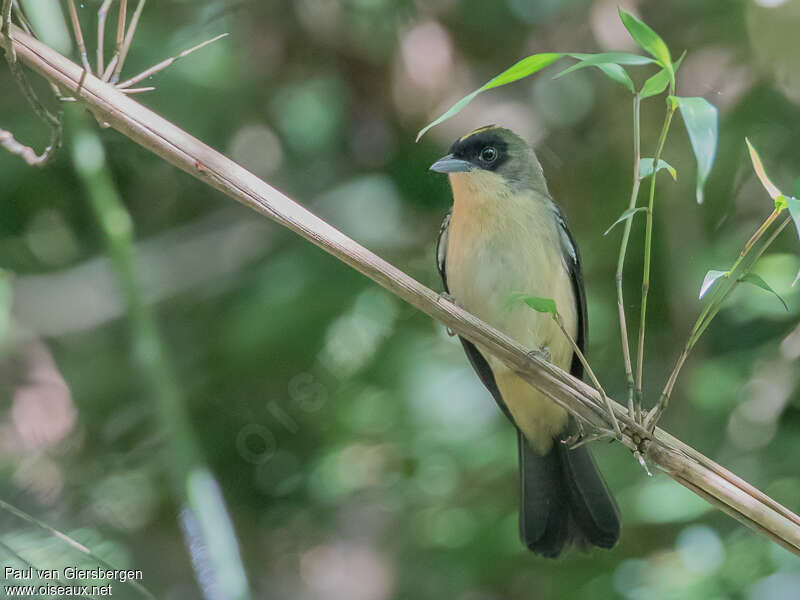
492	155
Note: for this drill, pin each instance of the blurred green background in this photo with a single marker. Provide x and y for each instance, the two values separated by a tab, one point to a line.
359	455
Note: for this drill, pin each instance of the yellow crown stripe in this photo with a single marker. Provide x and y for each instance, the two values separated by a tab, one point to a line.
479	130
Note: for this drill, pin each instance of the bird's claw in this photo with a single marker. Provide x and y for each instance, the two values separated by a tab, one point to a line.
542	353
577	440
449	298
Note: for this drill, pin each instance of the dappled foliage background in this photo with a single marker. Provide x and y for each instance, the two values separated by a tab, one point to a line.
359	455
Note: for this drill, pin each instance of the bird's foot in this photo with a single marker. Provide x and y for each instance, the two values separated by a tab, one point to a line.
449	298
542	353
576	440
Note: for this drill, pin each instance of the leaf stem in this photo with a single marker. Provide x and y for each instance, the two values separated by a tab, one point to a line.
648	246
633	410
590	372
713	307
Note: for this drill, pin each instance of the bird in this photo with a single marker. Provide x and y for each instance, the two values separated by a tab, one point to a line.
505	235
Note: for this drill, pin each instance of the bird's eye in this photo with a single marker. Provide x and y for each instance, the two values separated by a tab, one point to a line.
489	154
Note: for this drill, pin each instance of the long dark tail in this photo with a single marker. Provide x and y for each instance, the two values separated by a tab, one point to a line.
564	501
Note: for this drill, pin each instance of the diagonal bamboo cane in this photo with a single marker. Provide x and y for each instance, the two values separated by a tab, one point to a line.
684	464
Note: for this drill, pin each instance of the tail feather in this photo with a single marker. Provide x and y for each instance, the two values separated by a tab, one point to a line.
591	503
564	501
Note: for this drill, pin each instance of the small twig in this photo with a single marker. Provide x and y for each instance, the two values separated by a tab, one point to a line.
53	121
711	311
635	409
27	153
112	64
166	63
76	28
648	246
22	18
126	45
590	372
123	14
102	15
138	90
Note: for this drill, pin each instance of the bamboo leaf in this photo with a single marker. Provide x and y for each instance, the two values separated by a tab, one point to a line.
646	168
658	82
655	84
619	58
758	167
709	280
757	281
527	66
625	216
542	305
647	39
616	73
609	63
700	118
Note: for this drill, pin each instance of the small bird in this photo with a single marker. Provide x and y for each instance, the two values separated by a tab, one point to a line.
505	235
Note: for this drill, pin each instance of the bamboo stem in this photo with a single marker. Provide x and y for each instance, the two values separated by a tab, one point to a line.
635	410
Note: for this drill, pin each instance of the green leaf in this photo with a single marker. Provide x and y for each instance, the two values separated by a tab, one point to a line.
616	73
619	58
796	279
609	63
700	118
709	280
542	305
758	167
757	281
527	66
625	216
658	82
781	203
655	84
647	39
646	168
793	205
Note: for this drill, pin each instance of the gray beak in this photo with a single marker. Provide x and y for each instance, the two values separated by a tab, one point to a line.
451	164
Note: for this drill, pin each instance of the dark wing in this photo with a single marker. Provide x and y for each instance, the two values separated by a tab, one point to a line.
573	260
475	357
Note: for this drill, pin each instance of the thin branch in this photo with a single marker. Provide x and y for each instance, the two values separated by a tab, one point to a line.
606	400
126	44
22	18
53	121
137	90
712	309
27	153
112	64
78	32
684	464
635	410
648	245
102	15
166	63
